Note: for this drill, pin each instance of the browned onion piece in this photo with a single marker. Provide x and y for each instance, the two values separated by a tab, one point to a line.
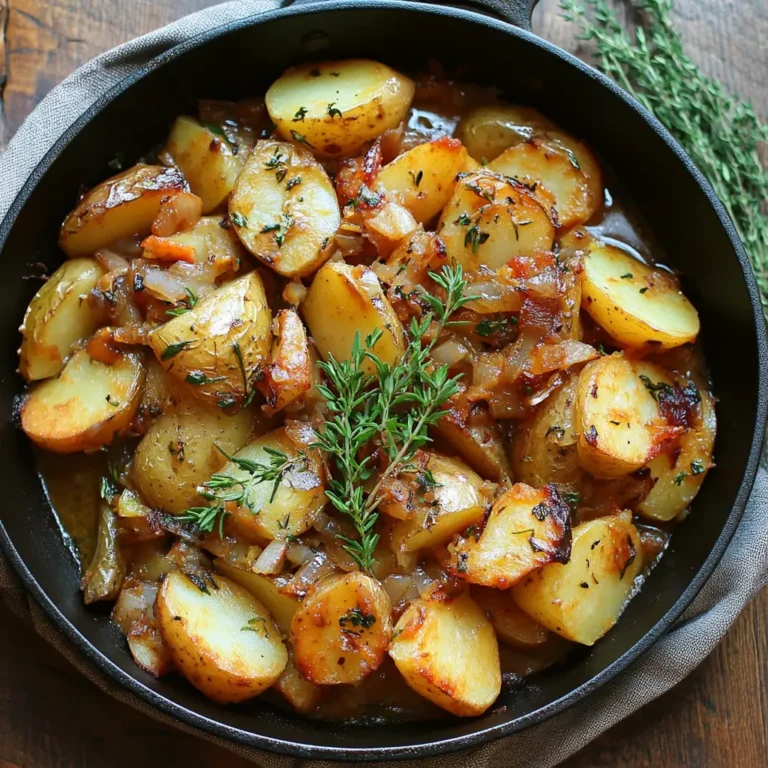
294	293
164	285
111	261
270	561
177	213
493	297
561	356
450	353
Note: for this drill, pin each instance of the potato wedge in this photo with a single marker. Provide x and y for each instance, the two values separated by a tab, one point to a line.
513	626
620	425
490	219
680	475
582	599
179	452
206	159
86	406
342	630
284	208
289	374
150	652
337	107
637	304
223	641
58	316
217	346
544	450
447	651
343	301
527	528
302	695
423	178
266	514
124	205
487	131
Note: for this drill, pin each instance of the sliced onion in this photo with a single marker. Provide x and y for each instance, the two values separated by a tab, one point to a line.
111	262
542	394
450	353
177	213
493	297
294	293
127	246
487	369
270	561
423	582
385	272
299	553
561	356
508	403
309	574
518	356
397	586
348	245
163	285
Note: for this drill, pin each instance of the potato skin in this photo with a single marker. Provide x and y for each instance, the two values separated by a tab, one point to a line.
342	629
207	636
58	316
200	347
123	205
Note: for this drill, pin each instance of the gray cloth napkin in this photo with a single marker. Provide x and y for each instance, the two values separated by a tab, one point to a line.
742	572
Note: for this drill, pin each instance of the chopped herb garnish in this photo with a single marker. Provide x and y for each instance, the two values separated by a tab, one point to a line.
475	238
294	182
489	327
357	618
463	220
627	276
238	219
697	467
198	378
643	290
256	624
416	177
300	115
301	139
333	112
191	300
173	349
680	477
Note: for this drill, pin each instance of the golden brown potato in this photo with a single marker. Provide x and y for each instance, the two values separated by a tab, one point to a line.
179	452
343	301
582	599
124	205
423	178
336	107
58	316
342	630
490	219
527	528
513	626
302	695
447	651
638	305
222	640
217	346
206	158
619	423
284	208
86	406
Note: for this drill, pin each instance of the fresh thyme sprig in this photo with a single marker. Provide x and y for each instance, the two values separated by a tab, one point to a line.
720	133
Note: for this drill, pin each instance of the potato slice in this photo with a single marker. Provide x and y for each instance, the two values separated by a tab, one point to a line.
587	162
638	305
217	346
447	651
342	630
58	316
487	131
620	425
266	514
544	450
337	107
423	178
302	695
680	475
123	205
223	640
206	159
179	452
343	301
513	626
150	652
289	374
527	528
445	498
284	208
542	160
86	406
490	219
582	599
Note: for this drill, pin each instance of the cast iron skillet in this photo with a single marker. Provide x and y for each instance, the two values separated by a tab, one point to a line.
242	58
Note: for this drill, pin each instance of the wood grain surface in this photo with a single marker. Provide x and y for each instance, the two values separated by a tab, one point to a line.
52	717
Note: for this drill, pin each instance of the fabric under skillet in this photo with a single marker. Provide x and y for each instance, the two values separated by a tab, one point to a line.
741	573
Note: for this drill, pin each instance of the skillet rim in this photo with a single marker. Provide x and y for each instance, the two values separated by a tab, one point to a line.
483	735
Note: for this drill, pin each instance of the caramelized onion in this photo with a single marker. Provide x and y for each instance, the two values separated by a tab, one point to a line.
450	353
299	553
177	213
561	356
493	297
294	293
111	262
270	561
164	285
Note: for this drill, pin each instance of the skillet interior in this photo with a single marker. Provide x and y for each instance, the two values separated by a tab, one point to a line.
244	61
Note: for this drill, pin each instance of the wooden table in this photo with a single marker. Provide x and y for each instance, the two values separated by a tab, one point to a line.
52	717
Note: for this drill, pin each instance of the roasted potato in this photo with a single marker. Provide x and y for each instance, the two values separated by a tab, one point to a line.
284	208
180	451
423	178
336	107
513	626
217	346
343	301
302	695
637	304
527	528
222	639
342	629
58	316
582	599
619	423
447	651
149	650
86	406
490	219
104	576
206	158
124	205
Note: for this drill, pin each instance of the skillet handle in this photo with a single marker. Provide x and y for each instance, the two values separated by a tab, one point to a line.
516	12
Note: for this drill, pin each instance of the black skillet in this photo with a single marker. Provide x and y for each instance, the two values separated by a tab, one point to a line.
242	58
